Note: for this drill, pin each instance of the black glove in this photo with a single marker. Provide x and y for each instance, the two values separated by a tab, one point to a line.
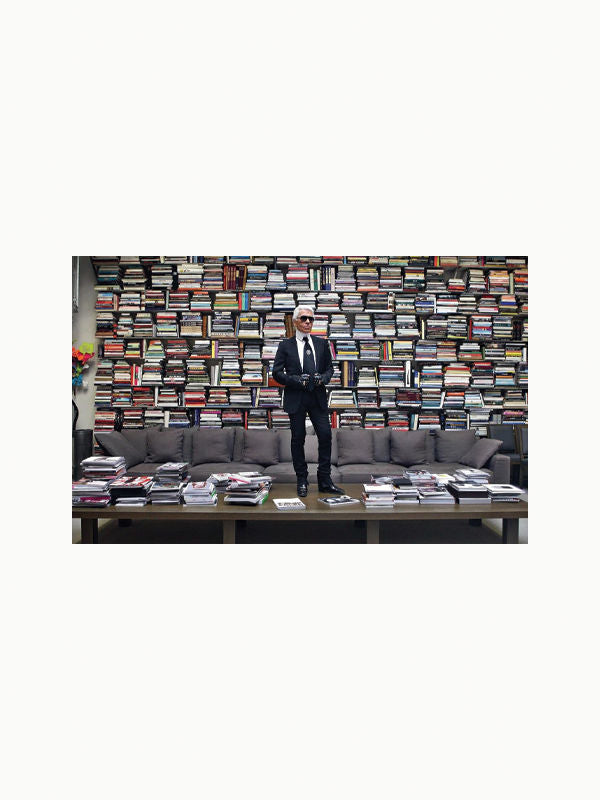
299	381
318	378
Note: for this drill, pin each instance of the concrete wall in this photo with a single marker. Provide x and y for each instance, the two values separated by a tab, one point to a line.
84	330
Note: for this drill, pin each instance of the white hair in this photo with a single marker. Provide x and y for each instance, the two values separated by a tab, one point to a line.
298	309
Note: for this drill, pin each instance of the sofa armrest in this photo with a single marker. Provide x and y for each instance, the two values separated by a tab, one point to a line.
500	466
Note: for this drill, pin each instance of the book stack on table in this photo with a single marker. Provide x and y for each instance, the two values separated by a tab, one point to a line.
504	493
376	495
247	488
469	492
130	490
89	493
200	493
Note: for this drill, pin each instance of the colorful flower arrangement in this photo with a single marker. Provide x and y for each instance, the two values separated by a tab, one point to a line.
80	362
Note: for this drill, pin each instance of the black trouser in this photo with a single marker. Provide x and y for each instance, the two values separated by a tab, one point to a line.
320	421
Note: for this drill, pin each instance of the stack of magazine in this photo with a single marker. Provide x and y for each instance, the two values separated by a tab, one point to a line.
376	495
91	493
103	467
200	493
172	470
247	488
130	490
468	492
166	491
504	493
471	475
438	496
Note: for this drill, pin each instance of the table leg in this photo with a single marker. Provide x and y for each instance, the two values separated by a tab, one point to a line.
228	531
372	531
510	531
89	531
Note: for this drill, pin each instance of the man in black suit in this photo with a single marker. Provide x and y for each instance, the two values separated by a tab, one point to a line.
303	366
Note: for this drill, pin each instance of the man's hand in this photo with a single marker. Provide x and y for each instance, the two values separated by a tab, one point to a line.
300	381
318	378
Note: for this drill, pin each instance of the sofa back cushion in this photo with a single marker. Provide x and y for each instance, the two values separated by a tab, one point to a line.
238	442
116	444
211	445
355	446
334	446
452	445
481	452
261	447
430	447
165	445
408	447
138	437
381	444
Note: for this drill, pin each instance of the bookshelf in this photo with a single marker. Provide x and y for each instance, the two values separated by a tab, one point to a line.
417	342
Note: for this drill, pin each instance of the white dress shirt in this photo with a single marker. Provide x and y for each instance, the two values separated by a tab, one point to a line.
300	343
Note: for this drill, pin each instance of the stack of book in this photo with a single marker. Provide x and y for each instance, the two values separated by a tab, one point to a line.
421	478
404	495
173	470
165	491
90	493
103	467
200	493
504	493
247	488
468	492
437	495
471	475
376	495
130	490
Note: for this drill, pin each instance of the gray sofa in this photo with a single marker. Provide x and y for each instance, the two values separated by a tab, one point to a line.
356	453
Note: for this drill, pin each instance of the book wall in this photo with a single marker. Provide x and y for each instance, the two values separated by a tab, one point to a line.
416	342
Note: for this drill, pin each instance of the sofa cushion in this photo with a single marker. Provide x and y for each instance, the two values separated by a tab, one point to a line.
430	446
165	445
443	467
260	447
452	445
200	472
355	446
334	446
211	444
138	437
145	468
238	442
381	444
481	452
284	473
361	473
187	444
408	447
116	444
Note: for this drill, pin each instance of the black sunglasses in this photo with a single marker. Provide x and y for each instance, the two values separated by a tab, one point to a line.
307	319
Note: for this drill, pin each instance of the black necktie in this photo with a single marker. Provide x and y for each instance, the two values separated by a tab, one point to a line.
309	361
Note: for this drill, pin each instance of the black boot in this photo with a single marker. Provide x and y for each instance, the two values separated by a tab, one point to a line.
328	486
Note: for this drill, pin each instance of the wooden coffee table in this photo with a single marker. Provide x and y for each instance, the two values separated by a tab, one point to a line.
509	513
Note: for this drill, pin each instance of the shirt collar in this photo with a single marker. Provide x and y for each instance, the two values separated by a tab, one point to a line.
300	337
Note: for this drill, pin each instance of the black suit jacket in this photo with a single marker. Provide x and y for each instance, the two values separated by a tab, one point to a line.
287	363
